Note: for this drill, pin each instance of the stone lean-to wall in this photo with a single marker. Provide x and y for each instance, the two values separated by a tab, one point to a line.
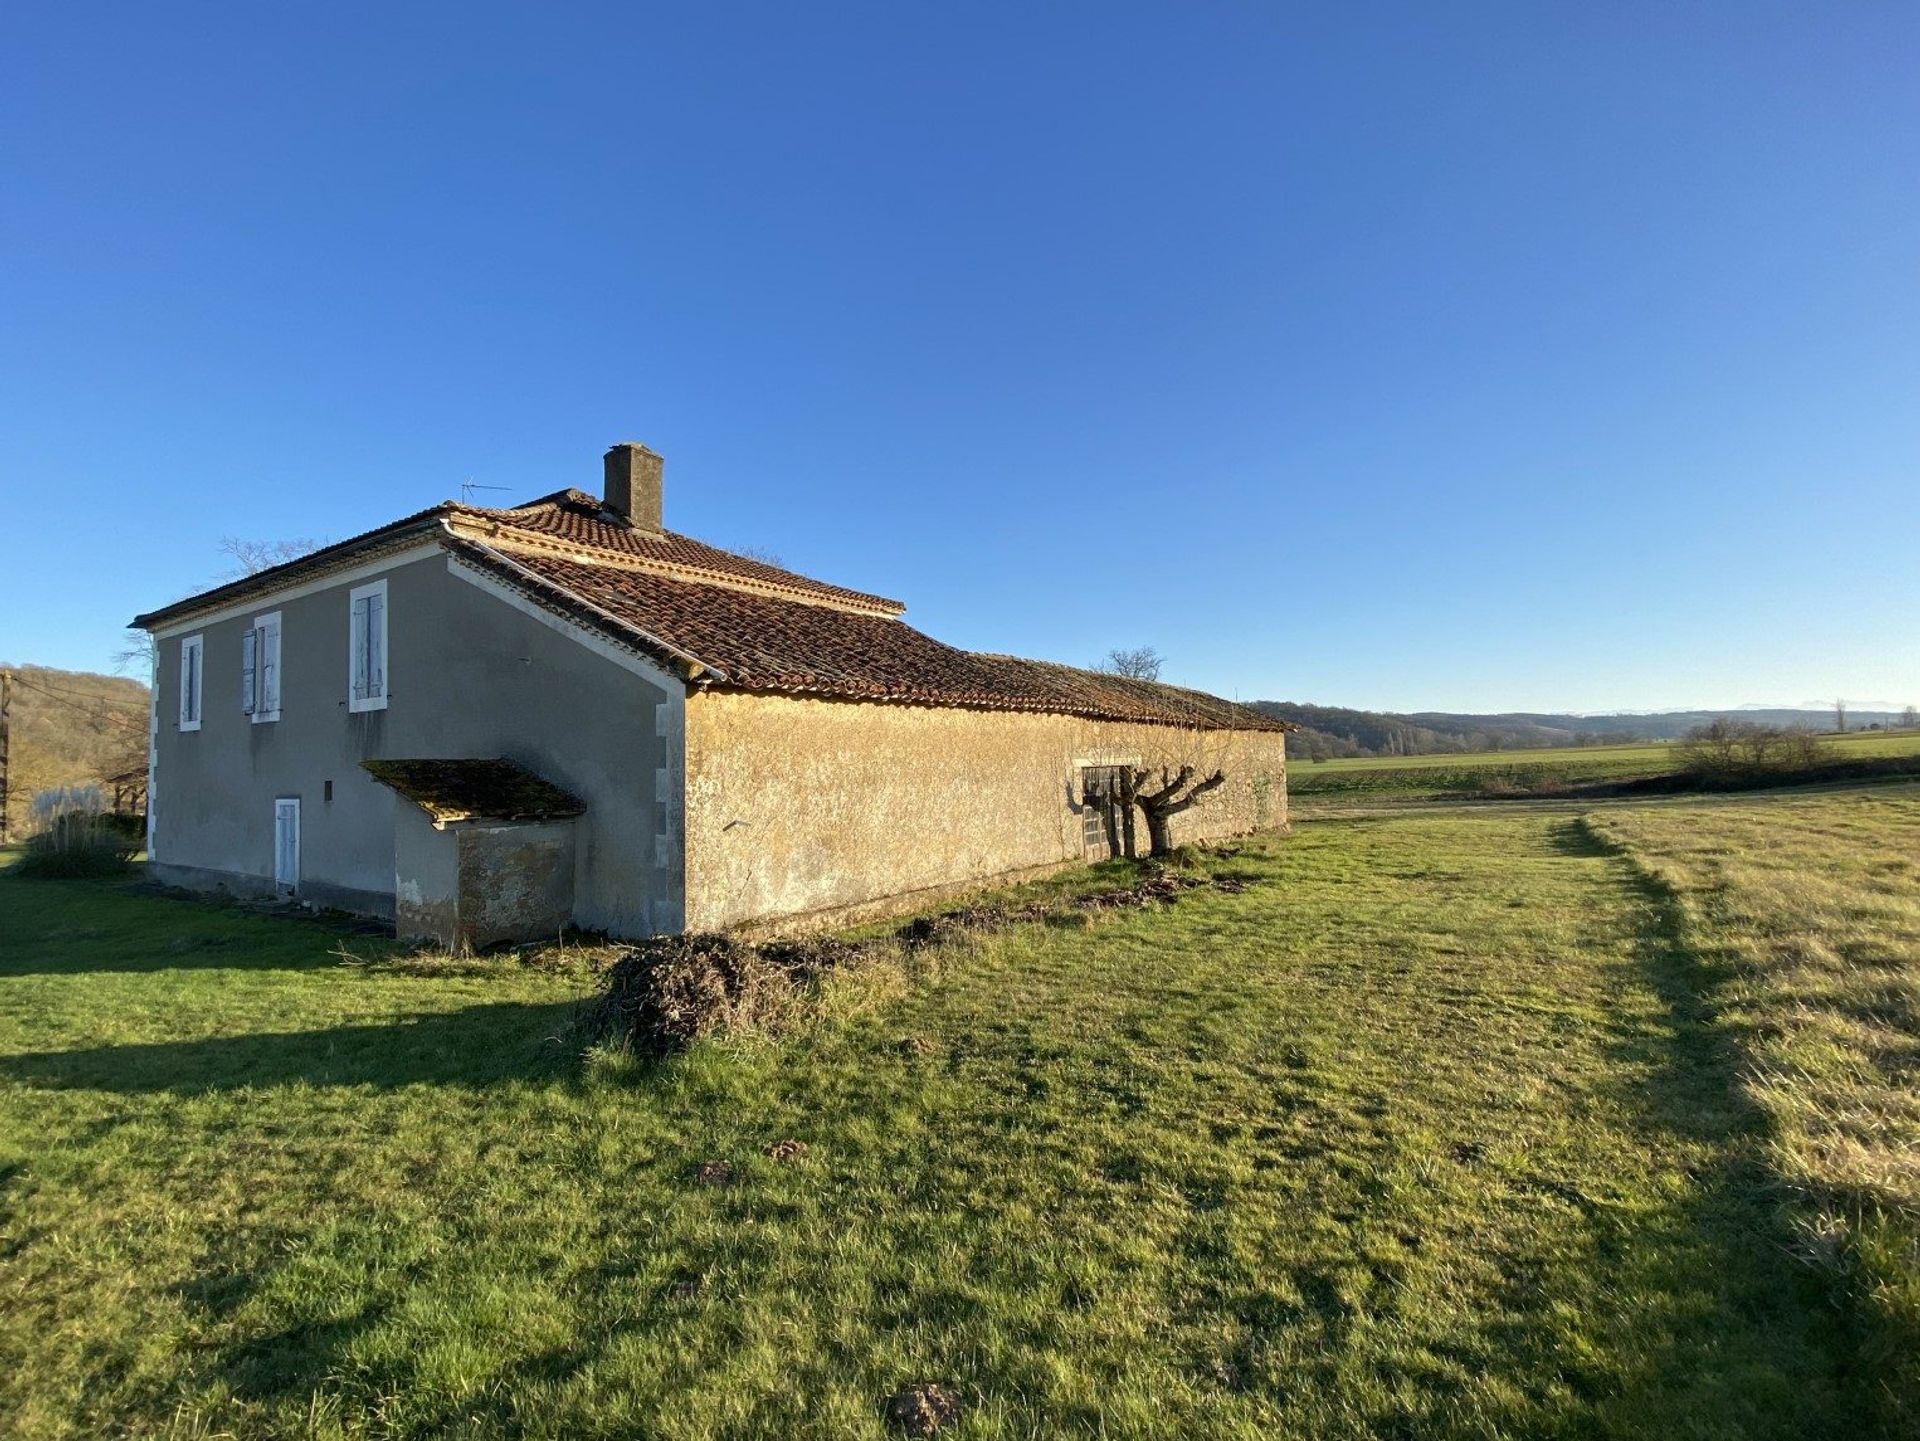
801	807
474	884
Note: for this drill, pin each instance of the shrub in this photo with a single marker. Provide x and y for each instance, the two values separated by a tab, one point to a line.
78	843
1730	751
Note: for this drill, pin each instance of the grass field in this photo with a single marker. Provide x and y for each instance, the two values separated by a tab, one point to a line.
1807	913
1491	771
1455	1123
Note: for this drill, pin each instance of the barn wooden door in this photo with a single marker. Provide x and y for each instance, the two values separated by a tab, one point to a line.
1106	830
286	846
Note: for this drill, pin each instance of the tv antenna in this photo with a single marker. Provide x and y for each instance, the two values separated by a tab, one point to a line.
469	487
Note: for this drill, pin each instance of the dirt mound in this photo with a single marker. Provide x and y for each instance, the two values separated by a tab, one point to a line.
670	991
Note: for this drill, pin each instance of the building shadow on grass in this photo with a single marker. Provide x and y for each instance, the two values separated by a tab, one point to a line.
477	1047
84	927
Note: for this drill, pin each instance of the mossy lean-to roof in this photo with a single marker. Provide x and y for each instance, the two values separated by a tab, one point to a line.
475	790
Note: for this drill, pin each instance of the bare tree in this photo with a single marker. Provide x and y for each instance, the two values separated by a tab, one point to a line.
1176	792
135	656
1840	716
1140	663
250	557
1909	718
1729	750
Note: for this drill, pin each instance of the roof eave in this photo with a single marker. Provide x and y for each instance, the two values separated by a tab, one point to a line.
316	563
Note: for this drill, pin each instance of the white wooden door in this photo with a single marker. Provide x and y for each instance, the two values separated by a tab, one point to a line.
286	846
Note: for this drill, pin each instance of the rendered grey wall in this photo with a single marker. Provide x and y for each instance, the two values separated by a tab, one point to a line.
426	868
469	675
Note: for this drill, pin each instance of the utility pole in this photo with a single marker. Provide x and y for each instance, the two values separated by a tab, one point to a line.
6	735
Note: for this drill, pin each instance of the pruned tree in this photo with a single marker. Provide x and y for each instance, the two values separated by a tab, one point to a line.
1176	792
1140	663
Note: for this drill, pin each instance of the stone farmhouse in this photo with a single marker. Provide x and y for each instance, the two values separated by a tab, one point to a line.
487	724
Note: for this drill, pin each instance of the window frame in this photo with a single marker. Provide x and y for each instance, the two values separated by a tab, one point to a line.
265	639
193	682
359	703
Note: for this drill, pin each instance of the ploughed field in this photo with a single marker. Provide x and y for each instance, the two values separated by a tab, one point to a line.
1473	1122
1524	772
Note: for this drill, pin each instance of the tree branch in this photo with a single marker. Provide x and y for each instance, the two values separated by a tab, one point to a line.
1218	778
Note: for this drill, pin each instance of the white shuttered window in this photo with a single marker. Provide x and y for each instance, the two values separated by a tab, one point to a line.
367	648
260	669
191	650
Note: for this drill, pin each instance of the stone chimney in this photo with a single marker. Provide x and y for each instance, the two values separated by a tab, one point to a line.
633	484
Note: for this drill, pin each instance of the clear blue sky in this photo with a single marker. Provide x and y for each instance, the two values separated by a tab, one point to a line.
1467	357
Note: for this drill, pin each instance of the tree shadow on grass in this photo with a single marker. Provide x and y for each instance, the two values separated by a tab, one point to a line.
1725	1329
476	1047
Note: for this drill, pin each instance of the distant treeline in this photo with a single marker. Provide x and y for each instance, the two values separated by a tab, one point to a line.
1329	731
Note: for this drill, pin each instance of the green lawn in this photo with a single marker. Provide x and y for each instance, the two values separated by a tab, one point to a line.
1432	1131
1431	775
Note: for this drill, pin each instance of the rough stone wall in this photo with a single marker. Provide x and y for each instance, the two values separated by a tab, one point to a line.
516	881
798	807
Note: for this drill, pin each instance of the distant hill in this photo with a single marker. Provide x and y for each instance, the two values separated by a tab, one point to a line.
1327	731
70	728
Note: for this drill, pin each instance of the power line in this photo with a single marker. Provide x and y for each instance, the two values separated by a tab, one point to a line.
82	695
124	719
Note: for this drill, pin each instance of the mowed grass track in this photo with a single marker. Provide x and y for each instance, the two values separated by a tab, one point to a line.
1429	1132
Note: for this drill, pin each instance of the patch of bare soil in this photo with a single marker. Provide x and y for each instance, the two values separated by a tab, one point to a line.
922	1410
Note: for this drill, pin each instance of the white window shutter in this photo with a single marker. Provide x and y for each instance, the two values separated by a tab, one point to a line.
249	668
376	645
358	641
269	646
189	683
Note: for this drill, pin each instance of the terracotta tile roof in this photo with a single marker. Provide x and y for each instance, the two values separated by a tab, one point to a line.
566	522
729	621
472	790
734	640
572	518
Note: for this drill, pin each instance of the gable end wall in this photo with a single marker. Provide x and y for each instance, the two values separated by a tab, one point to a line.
473	674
